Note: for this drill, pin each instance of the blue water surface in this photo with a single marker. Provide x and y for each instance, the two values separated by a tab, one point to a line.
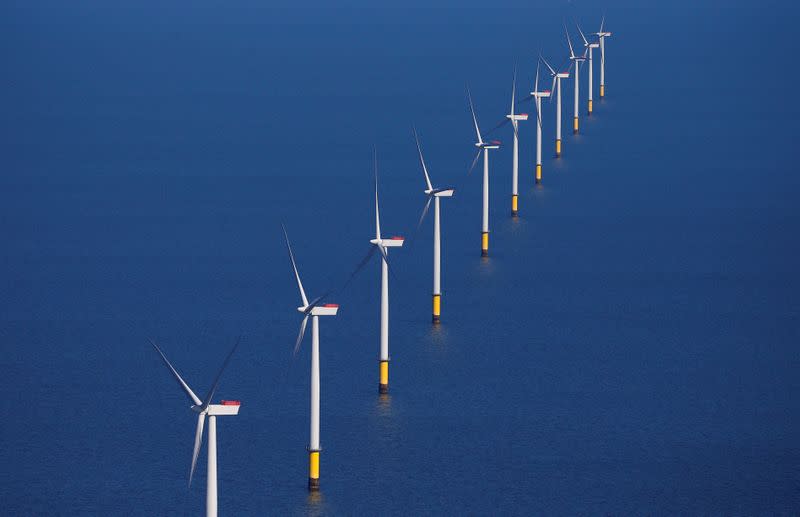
629	347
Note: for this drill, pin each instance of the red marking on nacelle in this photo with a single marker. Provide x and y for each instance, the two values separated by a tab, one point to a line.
396	238
230	403
331	305
495	142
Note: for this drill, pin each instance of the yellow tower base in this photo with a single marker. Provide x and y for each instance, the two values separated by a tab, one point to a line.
602	90
575	125
437	307
558	147
513	204
313	470
383	387
538	173
484	244
590	107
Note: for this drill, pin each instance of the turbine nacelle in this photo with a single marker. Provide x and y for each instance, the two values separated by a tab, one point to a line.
603	34
440	192
517	117
327	309
591	45
563	75
224	408
542	94
494	144
391	242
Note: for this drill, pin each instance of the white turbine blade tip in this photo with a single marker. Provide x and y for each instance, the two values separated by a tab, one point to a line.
198	441
422	161
300	335
294	267
194	398
474	117
377	211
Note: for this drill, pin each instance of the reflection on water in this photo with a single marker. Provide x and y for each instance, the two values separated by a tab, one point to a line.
438	334
315	504
385	421
486	266
384	407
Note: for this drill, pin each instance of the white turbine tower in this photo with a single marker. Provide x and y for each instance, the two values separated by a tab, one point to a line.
590	47
537	98
602	35
204	408
577	61
314	310
483	147
383	245
434	194
557	76
515	119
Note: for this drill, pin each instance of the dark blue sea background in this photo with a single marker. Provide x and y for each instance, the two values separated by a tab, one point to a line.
629	347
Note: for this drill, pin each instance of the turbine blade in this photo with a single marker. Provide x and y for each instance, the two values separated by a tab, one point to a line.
568	62
602	22
177	376
474	118
585	42
386	259
300	335
198	441
497	126
360	266
571	52
538	113
536	82
552	72
294	266
424	212
377	213
513	89
213	389
474	161
314	303
422	161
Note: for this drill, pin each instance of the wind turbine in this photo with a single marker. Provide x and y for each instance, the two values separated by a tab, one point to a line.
601	35
515	119
383	246
577	61
537	97
557	76
314	310
204	408
590	47
483	147
434	194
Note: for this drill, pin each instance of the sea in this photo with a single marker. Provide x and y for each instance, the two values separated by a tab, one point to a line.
631	345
